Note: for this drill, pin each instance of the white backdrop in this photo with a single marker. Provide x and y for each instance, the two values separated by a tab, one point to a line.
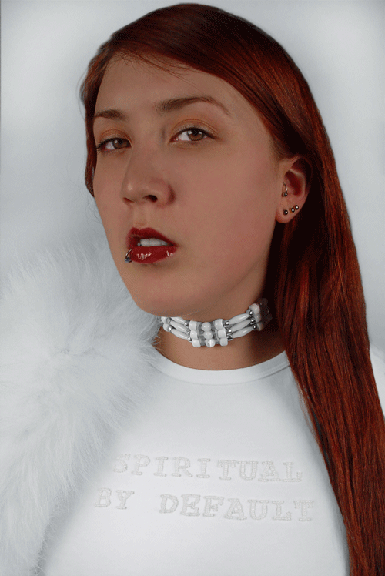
339	46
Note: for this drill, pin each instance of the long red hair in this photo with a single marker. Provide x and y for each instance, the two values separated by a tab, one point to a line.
313	275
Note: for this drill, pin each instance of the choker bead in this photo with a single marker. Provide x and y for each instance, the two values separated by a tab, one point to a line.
209	334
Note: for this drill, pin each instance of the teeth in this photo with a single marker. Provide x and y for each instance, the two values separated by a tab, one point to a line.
152	242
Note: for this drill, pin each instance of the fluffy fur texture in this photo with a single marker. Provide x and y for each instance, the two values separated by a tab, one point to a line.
74	360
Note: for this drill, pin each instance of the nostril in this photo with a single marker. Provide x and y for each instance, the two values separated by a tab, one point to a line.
152	198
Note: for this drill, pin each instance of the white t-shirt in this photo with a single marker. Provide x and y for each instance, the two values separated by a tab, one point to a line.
216	474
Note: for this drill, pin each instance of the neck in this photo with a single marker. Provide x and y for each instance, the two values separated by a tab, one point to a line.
254	348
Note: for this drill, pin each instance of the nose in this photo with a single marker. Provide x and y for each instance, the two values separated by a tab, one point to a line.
144	180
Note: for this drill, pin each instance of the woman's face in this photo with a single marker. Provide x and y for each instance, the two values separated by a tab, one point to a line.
185	154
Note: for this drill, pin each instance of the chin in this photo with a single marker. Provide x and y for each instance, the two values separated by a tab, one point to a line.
160	307
160	303
170	294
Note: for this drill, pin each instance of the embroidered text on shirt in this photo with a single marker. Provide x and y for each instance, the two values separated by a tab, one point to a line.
208	506
180	466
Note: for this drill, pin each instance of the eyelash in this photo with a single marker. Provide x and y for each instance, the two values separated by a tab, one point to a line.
101	147
196	129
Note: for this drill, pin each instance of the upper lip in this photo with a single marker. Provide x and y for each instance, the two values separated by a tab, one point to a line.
137	234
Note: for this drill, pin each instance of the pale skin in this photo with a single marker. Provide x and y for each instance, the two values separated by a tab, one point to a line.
184	153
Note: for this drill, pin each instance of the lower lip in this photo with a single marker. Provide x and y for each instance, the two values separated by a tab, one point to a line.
151	254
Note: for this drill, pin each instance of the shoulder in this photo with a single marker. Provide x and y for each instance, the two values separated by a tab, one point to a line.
74	348
378	362
71	338
67	315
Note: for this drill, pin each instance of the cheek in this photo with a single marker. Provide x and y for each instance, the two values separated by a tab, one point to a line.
105	180
234	199
109	206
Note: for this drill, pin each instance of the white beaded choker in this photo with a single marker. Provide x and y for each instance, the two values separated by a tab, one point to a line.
219	331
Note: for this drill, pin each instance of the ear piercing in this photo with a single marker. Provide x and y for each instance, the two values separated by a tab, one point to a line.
294	208
285	212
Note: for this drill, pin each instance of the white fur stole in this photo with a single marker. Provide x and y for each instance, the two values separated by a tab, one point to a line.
74	351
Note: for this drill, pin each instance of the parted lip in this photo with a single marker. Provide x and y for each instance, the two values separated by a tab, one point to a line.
137	234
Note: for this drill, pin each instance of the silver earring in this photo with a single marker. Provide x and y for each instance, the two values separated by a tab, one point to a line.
286	192
292	209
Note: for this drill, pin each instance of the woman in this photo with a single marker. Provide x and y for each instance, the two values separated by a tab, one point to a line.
217	188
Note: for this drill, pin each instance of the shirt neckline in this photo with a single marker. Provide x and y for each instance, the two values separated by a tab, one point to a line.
219	377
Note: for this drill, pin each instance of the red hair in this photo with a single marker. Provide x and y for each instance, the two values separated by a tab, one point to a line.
313	275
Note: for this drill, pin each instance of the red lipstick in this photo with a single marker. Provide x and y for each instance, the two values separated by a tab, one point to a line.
146	253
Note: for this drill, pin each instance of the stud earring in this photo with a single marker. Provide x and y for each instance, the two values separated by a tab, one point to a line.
293	209
286	192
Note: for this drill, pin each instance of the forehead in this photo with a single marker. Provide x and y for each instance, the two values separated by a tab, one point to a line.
134	84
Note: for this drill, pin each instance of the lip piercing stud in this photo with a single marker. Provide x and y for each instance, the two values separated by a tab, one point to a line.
127	257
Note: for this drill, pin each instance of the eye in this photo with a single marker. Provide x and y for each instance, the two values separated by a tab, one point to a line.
112	144
192	134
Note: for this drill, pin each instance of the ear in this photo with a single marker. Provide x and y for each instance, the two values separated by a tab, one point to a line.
296	176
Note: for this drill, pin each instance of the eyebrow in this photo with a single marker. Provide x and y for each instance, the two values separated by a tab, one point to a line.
164	107
178	103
